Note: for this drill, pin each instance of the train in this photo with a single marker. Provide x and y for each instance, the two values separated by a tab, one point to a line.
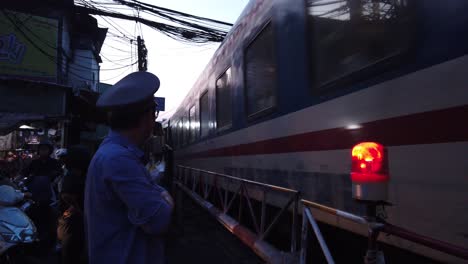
297	83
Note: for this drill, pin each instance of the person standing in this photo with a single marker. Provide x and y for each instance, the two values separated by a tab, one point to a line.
70	231
44	165
126	215
61	155
41	173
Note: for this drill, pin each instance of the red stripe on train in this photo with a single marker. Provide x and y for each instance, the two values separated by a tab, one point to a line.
440	126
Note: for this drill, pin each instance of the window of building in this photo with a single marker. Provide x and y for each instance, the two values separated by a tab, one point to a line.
223	100
194	124
355	38
204	115
261	73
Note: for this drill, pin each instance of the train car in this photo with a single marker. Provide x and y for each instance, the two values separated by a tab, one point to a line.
297	83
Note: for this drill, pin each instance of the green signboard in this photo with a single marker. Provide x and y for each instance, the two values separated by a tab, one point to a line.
28	46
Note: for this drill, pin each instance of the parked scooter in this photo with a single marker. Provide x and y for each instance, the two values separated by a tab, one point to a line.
16	228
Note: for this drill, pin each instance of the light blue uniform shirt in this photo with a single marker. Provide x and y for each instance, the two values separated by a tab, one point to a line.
125	213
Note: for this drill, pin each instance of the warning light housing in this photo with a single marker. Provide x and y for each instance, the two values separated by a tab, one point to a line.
369	163
369	171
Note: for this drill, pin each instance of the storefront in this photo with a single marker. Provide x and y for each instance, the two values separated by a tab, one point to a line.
39	105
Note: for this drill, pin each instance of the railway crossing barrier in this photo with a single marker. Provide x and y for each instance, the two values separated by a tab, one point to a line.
217	193
375	226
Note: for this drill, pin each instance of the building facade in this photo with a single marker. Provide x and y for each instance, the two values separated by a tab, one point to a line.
49	69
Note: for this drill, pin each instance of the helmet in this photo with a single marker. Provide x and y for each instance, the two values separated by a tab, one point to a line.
60	152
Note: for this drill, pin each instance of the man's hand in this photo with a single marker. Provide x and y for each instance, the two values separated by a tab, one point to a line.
167	197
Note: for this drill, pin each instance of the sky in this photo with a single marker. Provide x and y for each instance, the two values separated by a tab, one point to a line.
177	64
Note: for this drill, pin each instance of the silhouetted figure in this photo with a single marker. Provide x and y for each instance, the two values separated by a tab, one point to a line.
41	172
70	230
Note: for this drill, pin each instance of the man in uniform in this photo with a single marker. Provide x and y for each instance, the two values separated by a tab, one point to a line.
126	214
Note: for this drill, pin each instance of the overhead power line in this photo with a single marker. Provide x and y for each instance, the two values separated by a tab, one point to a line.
190	32
178	13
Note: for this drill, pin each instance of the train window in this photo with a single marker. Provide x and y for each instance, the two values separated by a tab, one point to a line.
179	134
260	73
175	134
194	124
204	115
185	130
350	36
223	100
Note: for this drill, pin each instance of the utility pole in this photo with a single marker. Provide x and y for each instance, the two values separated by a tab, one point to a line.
355	9
142	55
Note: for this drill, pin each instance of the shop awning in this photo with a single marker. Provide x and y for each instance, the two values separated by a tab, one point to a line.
32	97
25	101
11	121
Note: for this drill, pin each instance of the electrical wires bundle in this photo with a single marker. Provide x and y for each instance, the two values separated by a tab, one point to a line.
177	25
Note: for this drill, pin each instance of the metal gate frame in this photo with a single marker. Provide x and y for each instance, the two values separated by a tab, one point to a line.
375	227
200	184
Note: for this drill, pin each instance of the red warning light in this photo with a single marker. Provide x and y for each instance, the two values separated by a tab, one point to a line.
369	163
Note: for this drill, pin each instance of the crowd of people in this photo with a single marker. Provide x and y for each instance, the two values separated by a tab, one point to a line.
57	188
108	206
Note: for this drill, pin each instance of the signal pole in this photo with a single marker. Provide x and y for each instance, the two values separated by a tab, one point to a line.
142	55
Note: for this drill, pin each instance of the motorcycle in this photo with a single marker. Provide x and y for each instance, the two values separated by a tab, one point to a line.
16	229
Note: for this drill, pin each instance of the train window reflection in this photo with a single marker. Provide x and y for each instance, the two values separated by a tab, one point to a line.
174	134
185	130
194	124
223	100
179	134
349	36
204	115
260	73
